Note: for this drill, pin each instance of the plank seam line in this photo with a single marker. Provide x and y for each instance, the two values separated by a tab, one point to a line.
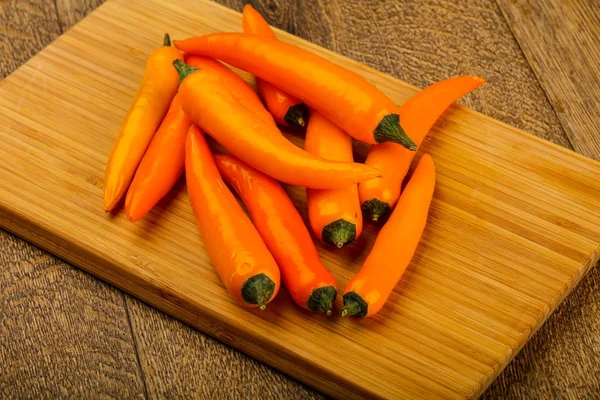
58	21
135	344
537	78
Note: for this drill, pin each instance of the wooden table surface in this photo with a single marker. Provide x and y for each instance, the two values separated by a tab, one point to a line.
64	333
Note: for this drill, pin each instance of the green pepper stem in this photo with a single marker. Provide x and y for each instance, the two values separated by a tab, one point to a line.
354	304
339	233
322	299
390	130
183	69
297	115
167	40
258	289
375	209
351	308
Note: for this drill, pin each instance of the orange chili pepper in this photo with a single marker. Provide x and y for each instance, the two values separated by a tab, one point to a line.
162	164
215	109
394	247
378	196
285	108
164	160
149	107
334	214
235	84
342	96
237	251
307	280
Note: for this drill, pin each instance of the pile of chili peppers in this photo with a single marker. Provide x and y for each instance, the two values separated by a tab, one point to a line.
187	92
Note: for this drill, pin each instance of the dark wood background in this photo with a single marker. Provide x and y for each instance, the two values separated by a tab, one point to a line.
64	333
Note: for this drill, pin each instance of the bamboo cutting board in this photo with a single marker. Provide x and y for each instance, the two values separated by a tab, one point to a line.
513	227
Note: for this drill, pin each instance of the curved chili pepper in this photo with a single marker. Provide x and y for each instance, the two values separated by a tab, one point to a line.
307	280
146	113
394	247
240	256
344	97
235	84
164	160
215	109
378	196
162	164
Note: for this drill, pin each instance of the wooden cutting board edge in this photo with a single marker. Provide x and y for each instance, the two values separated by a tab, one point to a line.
201	319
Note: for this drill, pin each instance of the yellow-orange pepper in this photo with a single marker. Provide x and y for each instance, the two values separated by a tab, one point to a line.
158	87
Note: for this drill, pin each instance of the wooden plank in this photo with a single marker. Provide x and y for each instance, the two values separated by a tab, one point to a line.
181	362
64	333
560	41
478	298
27	27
